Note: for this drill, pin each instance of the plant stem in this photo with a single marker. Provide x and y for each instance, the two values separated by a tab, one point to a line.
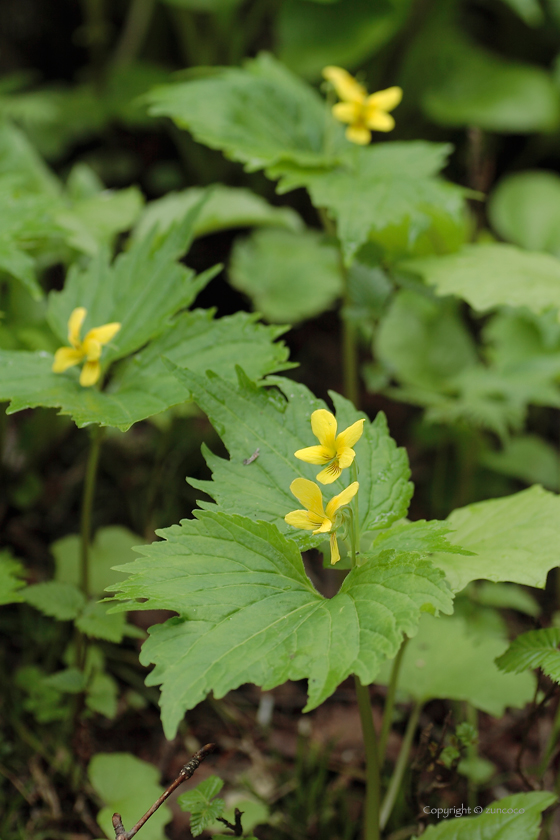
471	716
96	436
134	31
400	766
390	702
373	792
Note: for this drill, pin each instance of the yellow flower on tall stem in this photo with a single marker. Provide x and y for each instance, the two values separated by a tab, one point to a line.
334	450
363	113
316	518
89	349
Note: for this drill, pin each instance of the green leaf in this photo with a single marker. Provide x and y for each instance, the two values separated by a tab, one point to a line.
288	276
226	207
525	209
69	681
535	649
258	115
94	222
492	275
127	786
445	660
58	600
249	418
528	458
529	11
420	537
504	596
248	612
102	695
96	623
142	385
515	539
43	701
11	574
376	187
343	33
516	817
198	802
111	546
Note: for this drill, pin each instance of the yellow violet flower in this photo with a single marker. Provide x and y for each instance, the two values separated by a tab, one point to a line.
315	518
363	113
334	450
89	349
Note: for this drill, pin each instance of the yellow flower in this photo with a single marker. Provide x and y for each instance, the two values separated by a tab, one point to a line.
315	518
89	349
334	450
363	113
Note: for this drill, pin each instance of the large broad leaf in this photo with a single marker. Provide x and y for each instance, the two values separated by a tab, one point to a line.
344	33
445	661
516	817
251	421
515	539
142	385
493	275
128	786
535	649
226	207
288	276
258	115
525	209
378	186
248	612
143	288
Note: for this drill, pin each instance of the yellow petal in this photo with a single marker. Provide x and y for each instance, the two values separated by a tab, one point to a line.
323	424
335	553
345	85
358	134
342	499
379	121
314	455
75	324
309	494
103	334
91	348
65	358
386	99
345	457
351	435
324	528
330	473
346	112
90	374
299	519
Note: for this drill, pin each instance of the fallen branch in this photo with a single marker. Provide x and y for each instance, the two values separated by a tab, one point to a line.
187	770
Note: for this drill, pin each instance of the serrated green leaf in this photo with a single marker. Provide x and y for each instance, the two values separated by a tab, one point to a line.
97	623
142	385
378	186
447	661
11	574
248	612
515	539
525	209
58	600
226	207
257	115
288	276
248	418
420	537
516	817
535	649
128	786
492	275
111	546
199	803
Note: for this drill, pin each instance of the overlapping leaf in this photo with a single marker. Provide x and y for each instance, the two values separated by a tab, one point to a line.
249	418
516	817
248	612
535	649
514	539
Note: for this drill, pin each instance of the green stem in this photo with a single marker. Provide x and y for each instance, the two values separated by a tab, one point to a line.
134	31
87	505
390	702
373	784
355	519
471	716
400	766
